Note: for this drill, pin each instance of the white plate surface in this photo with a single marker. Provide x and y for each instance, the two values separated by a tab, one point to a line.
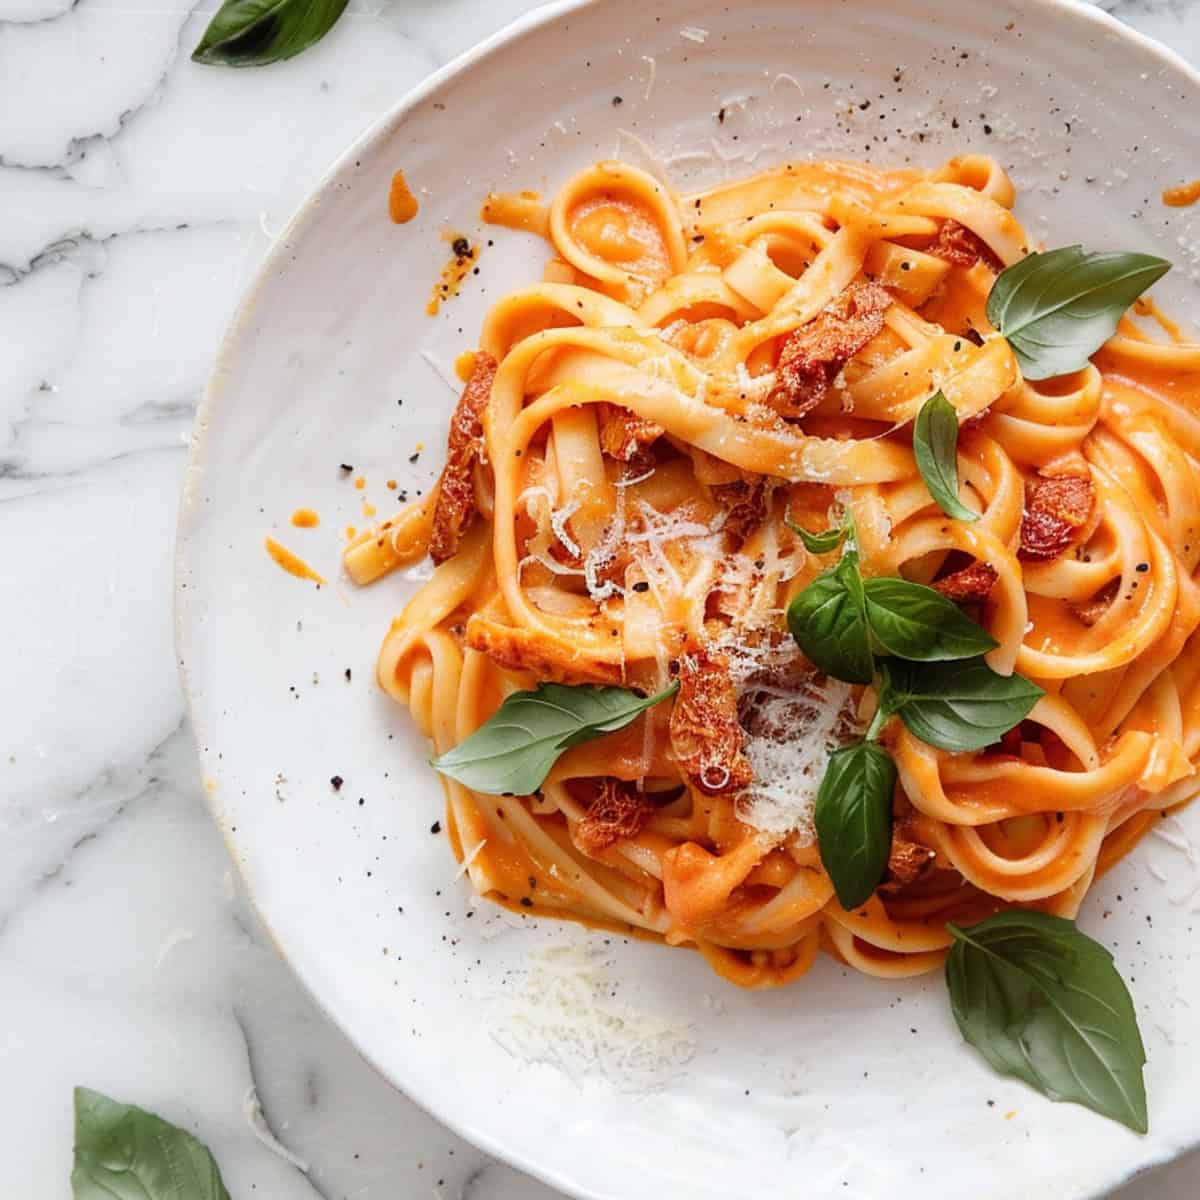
617	1070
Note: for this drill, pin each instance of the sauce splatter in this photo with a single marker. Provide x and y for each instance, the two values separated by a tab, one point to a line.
402	204
1183	195
305	518
351	533
291	563
360	482
516	210
368	509
463	262
464	365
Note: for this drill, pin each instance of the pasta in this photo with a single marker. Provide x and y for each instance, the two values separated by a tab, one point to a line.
641	434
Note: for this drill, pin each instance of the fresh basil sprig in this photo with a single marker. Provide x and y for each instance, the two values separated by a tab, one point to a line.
915	622
1058	308
124	1151
956	706
1043	1002
253	33
853	819
936	682
829	622
935	446
512	752
819	543
840	619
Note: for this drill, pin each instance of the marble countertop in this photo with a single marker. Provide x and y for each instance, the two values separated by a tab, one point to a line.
138	193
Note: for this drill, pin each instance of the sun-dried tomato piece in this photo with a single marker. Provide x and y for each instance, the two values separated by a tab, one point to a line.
908	860
623	434
956	244
617	813
455	507
813	355
971	585
1056	509
705	735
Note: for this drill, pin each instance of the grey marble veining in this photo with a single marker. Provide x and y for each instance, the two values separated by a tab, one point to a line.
138	191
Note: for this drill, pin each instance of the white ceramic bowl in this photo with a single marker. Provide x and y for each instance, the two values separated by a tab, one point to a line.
611	1069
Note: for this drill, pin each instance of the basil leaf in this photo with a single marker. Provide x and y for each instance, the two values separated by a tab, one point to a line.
126	1152
935	445
829	622
252	33
956	705
1058	308
818	543
513	751
853	818
1043	1002
913	621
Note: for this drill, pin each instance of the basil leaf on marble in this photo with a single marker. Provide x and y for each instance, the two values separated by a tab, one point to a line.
253	33
1058	308
853	819
916	622
829	622
512	752
935	446
127	1153
955	706
1043	1002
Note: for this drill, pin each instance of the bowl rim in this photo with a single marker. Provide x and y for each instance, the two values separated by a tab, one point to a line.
1088	12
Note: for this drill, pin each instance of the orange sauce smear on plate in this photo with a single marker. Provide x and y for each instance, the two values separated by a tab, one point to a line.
1183	195
464	365
291	563
402	204
462	262
305	518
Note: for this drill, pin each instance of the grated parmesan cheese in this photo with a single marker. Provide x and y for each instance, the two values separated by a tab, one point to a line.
795	734
793	720
544	560
603	552
558	522
694	33
658	532
561	1012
